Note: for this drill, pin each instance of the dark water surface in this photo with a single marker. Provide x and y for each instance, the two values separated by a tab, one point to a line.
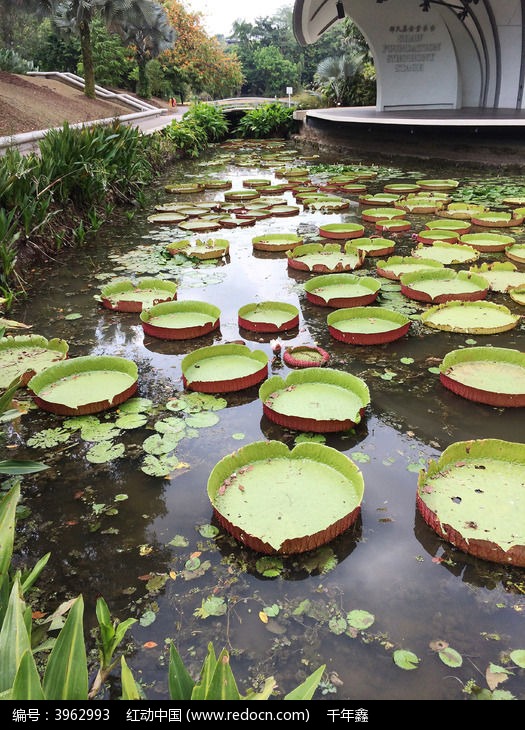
149	544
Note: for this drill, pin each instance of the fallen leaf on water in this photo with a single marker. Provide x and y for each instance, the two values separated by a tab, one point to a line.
263	617
150	645
173	574
38	614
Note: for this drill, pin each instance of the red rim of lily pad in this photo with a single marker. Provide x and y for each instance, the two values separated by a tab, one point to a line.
181	320
279	501
84	385
224	368
22	356
325	258
305	356
372	215
402	188
212	248
479	318
497	219
397	225
428	237
472	497
443	285
374	246
367	325
129	296
316	399
341	230
489	242
494	376
342	290
396	266
276	242
268	316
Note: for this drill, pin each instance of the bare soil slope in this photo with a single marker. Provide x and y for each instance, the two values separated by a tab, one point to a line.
32	103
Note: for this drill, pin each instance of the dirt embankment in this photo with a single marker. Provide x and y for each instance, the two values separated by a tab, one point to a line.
32	103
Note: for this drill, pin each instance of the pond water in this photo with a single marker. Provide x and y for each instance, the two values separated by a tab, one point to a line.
149	543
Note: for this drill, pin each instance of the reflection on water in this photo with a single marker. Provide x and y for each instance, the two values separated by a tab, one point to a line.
149	542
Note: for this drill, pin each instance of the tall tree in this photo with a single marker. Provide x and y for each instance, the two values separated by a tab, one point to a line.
143	17
197	60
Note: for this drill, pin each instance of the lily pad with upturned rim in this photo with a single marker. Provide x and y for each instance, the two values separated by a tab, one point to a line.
395	225
276	242
445	253
367	325
183	188
84	385
22	356
167	217
438	184
317	400
224	368
395	266
473	498
305	356
516	252
180	320
443	285
268	316
428	236
497	219
449	224
212	248
477	318
487	242
129	296
325	258
280	501
372	215
502	276
491	375
462	210
518	294
341	230
402	188
235	196
374	246
342	290
200	225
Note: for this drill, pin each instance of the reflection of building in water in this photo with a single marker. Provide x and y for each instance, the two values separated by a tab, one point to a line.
432	55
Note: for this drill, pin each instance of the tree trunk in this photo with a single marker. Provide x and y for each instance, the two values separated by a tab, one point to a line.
87	58
143	86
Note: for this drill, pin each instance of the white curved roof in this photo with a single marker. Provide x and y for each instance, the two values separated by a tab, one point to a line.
463	53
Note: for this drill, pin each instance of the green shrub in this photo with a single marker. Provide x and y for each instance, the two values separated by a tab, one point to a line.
210	118
267	120
189	139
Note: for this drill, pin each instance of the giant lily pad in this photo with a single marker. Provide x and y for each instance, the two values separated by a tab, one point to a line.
167	216
402	188
419	206
491	375
449	224
446	253
127	296
276	242
324	202
479	318
268	316
277	501
211	248
428	236
395	266
319	400
325	258
367	325
342	290
396	225
183	188
224	368
439	184
497	219
502	276
84	385
443	285
341	230
200	225
241	195
487	242
380	199
518	294
516	252
23	356
305	356
473	497
381	214
374	246
463	210
180	320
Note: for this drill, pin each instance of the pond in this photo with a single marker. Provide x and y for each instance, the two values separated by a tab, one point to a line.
126	514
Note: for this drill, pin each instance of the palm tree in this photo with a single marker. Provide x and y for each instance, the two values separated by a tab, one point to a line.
337	73
146	17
